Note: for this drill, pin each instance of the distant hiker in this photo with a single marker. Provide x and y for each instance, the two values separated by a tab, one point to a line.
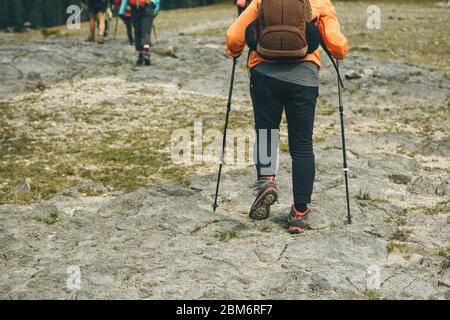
241	5
97	11
109	15
287	77
125	15
142	14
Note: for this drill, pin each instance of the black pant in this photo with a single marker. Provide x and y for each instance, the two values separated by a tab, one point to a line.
269	96
142	18
95	6
129	25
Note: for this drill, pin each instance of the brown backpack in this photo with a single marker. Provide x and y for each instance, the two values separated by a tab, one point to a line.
282	27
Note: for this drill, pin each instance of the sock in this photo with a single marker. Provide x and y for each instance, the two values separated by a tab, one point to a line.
266	178
146	49
140	54
301	207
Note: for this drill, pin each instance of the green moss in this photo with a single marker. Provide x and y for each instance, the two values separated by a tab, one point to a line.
226	236
440	208
325	109
394	246
52	218
49	32
353	175
93	192
444	252
264	228
401	235
102	147
371	294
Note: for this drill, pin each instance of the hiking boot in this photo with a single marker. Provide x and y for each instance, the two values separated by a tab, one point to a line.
140	60
297	221
91	38
147	60
100	39
266	192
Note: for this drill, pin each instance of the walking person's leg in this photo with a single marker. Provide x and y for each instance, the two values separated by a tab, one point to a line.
101	16
129	26
300	110
92	21
106	30
136	20
146	25
267	109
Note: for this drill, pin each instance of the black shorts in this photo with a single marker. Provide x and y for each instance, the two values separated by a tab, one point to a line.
97	6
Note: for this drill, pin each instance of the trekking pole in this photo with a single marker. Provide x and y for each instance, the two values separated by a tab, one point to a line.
222	156
344	153
115	27
154	33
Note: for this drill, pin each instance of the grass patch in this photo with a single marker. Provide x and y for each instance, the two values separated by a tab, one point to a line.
396	247
52	218
353	175
225	236
401	235
49	32
392	42
93	192
401	221
371	294
440	208
380	199
101	143
363	195
444	253
325	109
264	228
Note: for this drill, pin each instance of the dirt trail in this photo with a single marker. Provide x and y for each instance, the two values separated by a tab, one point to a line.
163	240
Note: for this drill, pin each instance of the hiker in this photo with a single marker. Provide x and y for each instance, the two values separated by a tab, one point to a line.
142	14
125	16
290	84
108	18
241	5
97	11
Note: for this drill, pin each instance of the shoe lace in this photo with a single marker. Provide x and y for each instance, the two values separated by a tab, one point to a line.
260	184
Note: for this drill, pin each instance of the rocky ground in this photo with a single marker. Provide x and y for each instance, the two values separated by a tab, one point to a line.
87	182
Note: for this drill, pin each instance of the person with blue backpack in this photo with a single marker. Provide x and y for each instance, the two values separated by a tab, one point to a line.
143	13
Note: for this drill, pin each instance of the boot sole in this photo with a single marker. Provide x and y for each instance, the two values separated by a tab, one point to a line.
260	210
300	225
297	231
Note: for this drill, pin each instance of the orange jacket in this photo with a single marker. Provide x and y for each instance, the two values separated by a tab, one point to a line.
327	23
138	2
